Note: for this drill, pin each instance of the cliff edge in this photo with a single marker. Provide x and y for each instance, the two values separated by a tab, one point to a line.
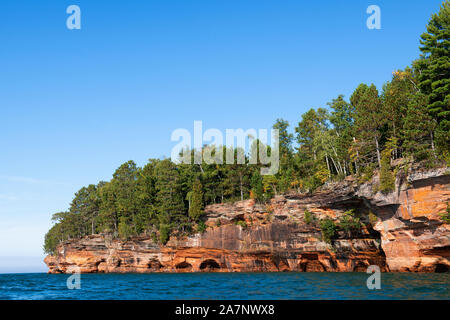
400	231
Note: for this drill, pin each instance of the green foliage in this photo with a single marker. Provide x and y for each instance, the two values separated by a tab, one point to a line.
257	186
309	217
434	72
285	137
349	223
154	237
372	218
445	216
201	227
387	179
52	239
329	230
125	230
418	129
164	233
242	223
369	121
366	173
196	206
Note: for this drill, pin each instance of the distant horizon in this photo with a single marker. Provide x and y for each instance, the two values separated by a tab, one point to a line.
22	264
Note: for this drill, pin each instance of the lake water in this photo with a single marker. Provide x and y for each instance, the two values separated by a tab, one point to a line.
225	286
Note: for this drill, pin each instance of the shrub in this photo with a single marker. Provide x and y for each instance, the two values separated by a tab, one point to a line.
154	237
241	223
366	173
387	179
446	215
201	227
309	218
372	218
125	230
349	222
328	228
164	233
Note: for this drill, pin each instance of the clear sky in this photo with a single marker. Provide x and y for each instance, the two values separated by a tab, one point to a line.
75	104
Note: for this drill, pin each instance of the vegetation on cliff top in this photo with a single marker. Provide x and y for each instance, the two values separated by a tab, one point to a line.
409	118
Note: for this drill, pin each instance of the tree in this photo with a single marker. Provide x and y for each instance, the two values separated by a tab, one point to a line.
369	119
257	186
284	136
108	218
387	179
312	121
342	120
434	72
418	127
397	95
146	197
169	199
86	205
125	187
196	208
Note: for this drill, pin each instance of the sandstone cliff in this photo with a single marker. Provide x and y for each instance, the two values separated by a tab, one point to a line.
405	233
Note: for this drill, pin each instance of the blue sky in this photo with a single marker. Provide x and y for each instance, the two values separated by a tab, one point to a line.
75	104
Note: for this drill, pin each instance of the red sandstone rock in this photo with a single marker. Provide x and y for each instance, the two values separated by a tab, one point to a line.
411	235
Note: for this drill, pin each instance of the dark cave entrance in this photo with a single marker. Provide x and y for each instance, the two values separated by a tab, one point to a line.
441	268
184	266
209	265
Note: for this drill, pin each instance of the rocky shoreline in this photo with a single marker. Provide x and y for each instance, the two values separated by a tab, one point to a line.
405	234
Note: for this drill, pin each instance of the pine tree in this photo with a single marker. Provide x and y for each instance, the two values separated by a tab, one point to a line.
434	72
196	208
396	96
418	127
257	186
369	119
169	199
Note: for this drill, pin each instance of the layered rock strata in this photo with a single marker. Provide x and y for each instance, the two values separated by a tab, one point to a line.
401	231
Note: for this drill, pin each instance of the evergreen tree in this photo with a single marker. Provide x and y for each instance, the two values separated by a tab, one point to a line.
196	208
418	129
434	72
369	120
169	199
257	186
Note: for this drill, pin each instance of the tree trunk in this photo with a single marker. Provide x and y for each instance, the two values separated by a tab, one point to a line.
378	151
337	159
357	156
242	191
432	144
334	163
328	167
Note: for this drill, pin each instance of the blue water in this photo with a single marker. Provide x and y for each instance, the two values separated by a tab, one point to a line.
225	286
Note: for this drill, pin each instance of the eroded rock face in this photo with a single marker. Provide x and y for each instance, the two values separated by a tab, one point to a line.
228	248
408	235
414	238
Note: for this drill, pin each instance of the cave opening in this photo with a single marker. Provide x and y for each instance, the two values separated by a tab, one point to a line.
360	267
209	265
311	266
183	266
154	265
441	268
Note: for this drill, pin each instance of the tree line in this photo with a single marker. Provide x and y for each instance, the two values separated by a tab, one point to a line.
408	118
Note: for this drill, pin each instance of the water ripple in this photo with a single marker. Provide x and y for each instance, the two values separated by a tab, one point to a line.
225	286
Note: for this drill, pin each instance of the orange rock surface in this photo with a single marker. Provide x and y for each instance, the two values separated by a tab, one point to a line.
409	235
